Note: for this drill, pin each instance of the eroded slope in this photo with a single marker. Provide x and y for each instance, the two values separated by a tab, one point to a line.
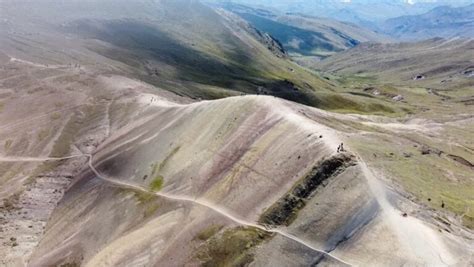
237	160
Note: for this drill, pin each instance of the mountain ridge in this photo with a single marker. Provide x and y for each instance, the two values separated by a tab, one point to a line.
443	21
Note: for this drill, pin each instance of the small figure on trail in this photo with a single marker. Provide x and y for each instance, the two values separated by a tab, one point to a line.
338	148
342	147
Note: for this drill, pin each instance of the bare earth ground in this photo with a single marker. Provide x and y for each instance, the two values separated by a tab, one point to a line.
223	163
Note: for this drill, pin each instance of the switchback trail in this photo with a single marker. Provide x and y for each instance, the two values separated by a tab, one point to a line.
200	202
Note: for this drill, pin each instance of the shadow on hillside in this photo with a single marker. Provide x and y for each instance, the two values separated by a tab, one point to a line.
148	51
304	41
135	44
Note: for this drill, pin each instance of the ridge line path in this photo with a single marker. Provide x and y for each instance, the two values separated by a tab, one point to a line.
200	202
421	240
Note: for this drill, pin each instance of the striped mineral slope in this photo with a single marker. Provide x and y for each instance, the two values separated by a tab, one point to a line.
250	180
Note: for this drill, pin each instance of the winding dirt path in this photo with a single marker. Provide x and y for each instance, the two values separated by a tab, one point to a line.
421	240
33	159
38	65
200	202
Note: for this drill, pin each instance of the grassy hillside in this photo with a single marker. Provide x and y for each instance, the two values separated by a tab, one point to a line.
182	46
431	146
296	40
436	64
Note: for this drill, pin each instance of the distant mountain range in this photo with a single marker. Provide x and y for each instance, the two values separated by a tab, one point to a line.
362	12
303	35
401	19
443	21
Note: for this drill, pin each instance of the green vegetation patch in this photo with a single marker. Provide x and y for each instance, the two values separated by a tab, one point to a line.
42	134
146	200
149	200
234	247
356	80
55	116
352	103
158	179
144	197
435	180
157	183
150	209
468	221
208	232
8	143
158	167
